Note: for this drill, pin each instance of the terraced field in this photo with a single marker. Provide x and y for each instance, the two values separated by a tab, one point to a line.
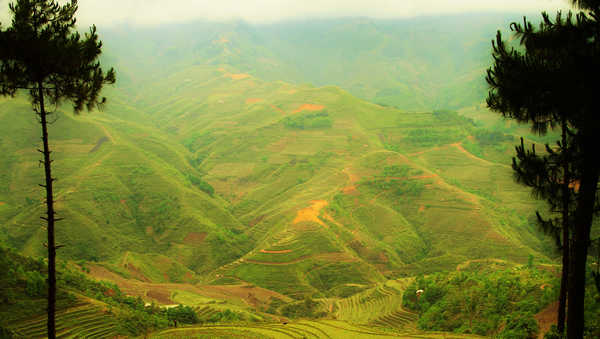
298	329
381	306
82	321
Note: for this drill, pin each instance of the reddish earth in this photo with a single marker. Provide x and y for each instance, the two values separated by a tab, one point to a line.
237	76
135	272
2	203
161	296
350	190
194	238
276	252
162	292
309	107
422	208
311	213
253	100
546	318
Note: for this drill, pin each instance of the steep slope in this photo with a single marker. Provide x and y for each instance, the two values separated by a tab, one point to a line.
203	172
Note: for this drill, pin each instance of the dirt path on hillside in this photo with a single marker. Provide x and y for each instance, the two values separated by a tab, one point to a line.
278	109
460	147
308	107
352	179
275	252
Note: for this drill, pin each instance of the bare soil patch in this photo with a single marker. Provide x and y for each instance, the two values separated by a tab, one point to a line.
238	76
2	203
311	213
308	107
276	252
162	296
253	100
194	238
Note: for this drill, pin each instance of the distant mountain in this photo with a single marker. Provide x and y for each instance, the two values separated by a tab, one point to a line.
415	64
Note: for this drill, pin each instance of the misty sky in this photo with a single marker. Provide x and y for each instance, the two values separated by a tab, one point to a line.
150	12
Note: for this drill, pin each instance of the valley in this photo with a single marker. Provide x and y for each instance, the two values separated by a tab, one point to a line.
232	176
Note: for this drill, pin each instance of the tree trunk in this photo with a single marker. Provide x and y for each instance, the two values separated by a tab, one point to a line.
566	195
49	219
581	240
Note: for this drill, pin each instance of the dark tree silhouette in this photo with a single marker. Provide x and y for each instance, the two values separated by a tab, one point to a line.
553	178
550	81
43	54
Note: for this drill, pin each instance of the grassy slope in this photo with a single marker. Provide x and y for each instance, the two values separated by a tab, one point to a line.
133	193
301	212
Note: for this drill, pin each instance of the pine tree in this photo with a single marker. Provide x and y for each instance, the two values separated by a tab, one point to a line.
550	81
43	54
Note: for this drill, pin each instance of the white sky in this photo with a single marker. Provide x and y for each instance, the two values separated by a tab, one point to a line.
151	12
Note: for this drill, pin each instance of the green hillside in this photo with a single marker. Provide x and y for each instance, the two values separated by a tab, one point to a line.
231	174
217	171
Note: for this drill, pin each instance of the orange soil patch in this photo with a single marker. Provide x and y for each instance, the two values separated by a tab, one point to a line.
238	76
311	213
223	40
194	238
308	107
2	203
253	100
422	208
221	69
161	295
546	318
276	252
149	230
350	190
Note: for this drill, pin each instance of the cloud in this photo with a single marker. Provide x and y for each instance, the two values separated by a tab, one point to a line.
151	12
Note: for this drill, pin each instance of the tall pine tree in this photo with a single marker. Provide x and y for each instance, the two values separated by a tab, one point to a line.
43	54
550	81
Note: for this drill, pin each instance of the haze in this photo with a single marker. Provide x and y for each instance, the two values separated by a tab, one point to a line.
152	12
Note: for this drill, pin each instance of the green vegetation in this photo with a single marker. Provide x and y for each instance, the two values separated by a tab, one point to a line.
492	302
308	121
234	194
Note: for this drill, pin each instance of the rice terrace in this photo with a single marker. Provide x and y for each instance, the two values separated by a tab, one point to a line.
299	169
